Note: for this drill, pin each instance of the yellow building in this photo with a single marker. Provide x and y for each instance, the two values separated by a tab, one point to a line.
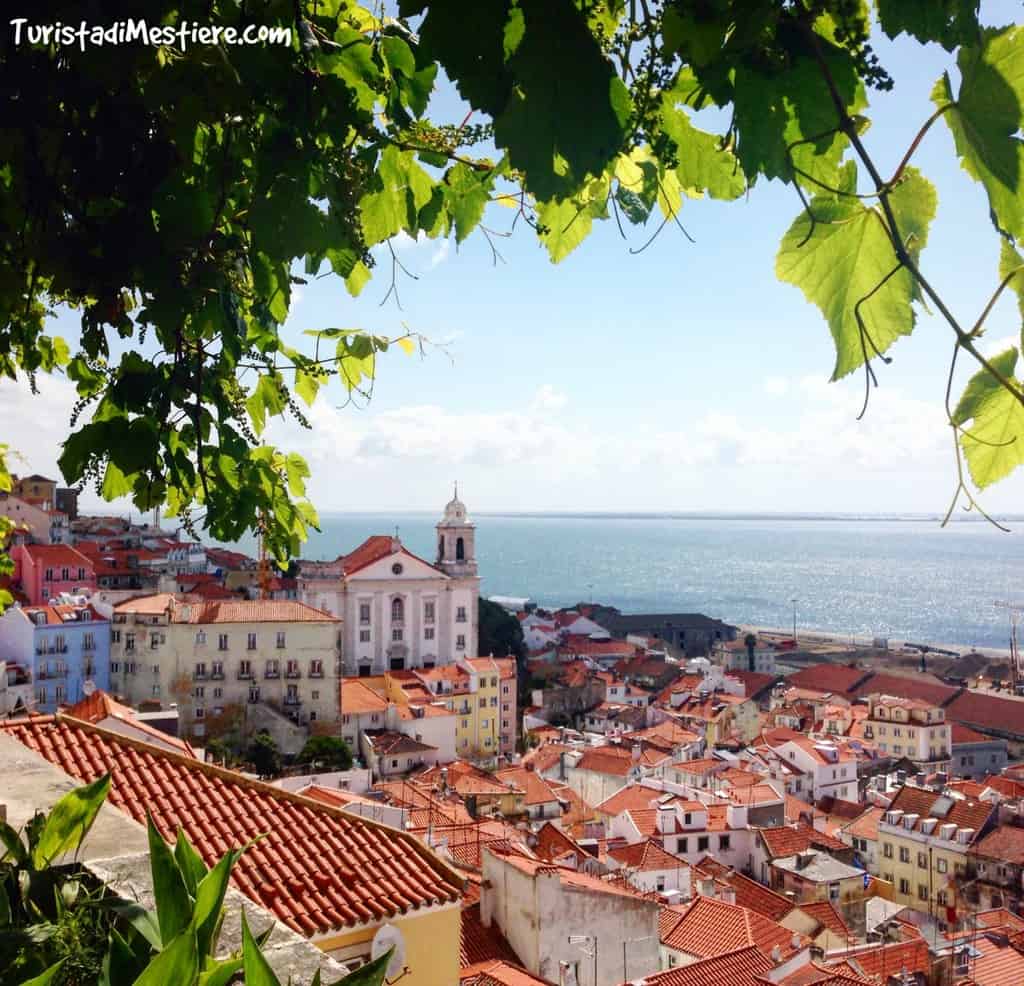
472	689
923	840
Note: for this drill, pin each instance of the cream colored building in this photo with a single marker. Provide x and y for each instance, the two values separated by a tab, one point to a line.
399	611
910	728
207	655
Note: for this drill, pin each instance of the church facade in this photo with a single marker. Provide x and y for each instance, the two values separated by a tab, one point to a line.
399	611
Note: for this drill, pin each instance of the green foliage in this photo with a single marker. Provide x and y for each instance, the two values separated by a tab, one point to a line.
172	198
59	927
264	755
329	751
500	632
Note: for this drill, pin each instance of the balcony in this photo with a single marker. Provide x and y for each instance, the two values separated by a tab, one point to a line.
292	700
244	675
316	672
293	673
275	673
217	675
200	676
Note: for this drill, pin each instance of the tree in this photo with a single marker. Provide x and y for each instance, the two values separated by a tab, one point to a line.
328	751
264	755
499	631
175	195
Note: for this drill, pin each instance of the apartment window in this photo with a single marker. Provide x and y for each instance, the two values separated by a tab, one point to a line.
904	885
460	614
504	689
922	860
291	669
245	669
460	642
681	845
200	636
218	692
904	854
48	577
316	695
428	633
959	869
88	642
345	720
396	634
218	669
364	636
397	610
222	642
887	850
465	724
312	714
485	724
65	574
58	693
251	642
115	667
199	692
483	703
41	696
154	641
254	694
200	669
200	712
273	669
702	843
280	639
504	723
724	842
922	891
155	691
316	669
942	899
374	717
428	612
115	636
364	612
941	866
129	641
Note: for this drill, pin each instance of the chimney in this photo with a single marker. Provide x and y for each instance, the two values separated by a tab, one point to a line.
727	895
776	954
666	819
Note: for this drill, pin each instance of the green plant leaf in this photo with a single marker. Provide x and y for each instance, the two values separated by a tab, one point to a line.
13	844
173	904
993	422
69	821
847	256
466	193
371	974
704	165
986	121
210	902
220	973
257	969
44	978
950	22
177	963
120	964
191	864
1011	265
141	919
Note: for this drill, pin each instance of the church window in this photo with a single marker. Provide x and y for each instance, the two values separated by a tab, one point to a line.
396	635
460	614
460	549
364	612
460	642
440	549
397	569
428	633
428	612
397	610
364	636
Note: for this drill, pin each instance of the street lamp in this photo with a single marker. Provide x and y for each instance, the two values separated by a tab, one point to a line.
793	601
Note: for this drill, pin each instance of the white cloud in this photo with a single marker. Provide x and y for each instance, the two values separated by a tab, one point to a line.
776	386
549	399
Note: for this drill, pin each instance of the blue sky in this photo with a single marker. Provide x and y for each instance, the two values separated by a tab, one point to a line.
685	378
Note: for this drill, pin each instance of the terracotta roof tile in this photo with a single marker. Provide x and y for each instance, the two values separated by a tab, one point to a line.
785	840
498	973
633	797
707	926
757	897
646	856
538	791
478	943
825	913
884	961
742	967
828	677
317	868
1005	842
963	813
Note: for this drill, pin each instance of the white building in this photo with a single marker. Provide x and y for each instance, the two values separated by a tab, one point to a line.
830	770
399	611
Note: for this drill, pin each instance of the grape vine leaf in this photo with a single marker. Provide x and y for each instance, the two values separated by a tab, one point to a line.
950	22
704	165
992	419
566	223
1011	263
847	256
986	119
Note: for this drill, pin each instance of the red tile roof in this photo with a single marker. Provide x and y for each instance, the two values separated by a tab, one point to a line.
646	856
99	706
315	867
988	712
498	973
633	797
707	926
480	944
537	789
825	913
865	826
785	840
1005	842
757	897
358	698
884	961
222	611
373	549
959	733
742	967
828	678
924	687
57	555
963	813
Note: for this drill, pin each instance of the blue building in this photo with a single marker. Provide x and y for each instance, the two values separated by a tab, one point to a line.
66	646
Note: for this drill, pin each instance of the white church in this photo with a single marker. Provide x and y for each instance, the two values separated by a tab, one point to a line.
399	611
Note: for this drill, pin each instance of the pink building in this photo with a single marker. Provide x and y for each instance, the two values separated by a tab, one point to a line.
47	570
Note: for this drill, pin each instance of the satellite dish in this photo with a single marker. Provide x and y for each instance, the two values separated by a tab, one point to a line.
88	686
389	936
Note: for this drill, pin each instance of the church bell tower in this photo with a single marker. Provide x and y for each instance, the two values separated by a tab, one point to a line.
456	540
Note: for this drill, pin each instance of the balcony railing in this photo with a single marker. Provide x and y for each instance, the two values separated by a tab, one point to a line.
275	673
316	672
292	700
217	675
293	673
244	675
199	676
